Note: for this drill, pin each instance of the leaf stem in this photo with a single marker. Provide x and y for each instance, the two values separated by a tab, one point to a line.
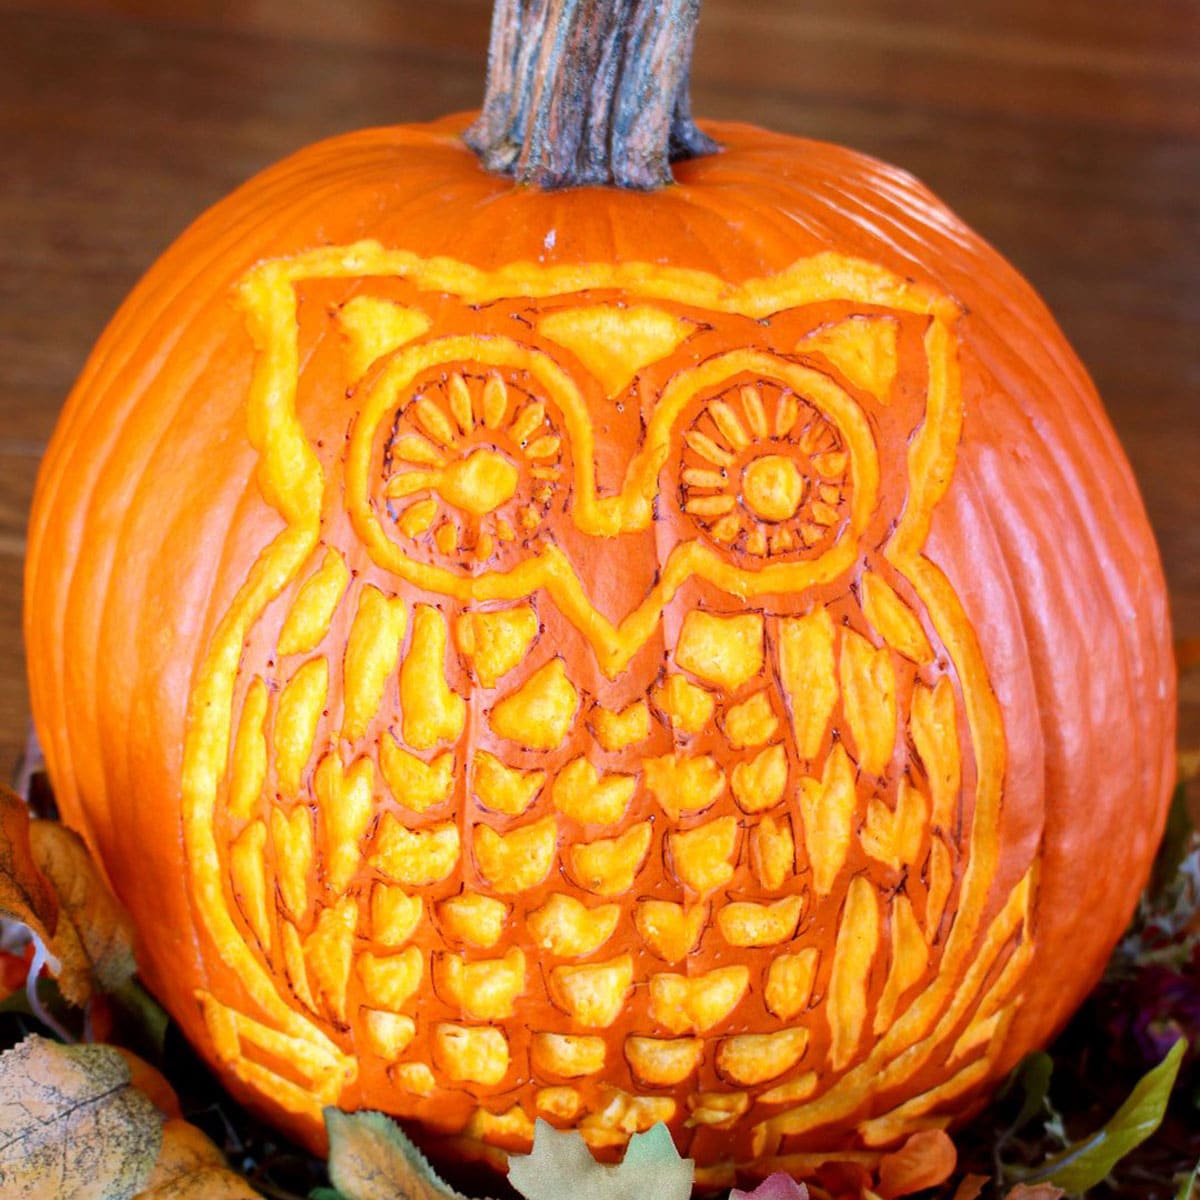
42	957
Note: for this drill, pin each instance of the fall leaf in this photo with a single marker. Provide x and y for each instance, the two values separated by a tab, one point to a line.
560	1164
14	968
190	1167
94	937
371	1159
925	1160
25	896
72	1124
971	1187
779	1186
49	884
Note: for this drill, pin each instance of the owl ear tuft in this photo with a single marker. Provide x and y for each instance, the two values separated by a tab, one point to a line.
863	349
374	327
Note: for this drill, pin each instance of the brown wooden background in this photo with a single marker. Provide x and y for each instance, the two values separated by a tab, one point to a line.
1066	131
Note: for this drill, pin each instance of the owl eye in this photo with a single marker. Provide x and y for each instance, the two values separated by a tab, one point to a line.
471	465
764	473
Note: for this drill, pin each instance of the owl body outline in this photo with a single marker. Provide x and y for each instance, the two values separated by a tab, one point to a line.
293	481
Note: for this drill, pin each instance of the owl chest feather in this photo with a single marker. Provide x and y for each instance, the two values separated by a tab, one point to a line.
426	798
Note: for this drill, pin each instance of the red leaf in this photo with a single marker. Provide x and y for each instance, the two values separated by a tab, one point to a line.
779	1186
13	970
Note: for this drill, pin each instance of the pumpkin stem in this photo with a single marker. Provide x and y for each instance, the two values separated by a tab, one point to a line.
589	92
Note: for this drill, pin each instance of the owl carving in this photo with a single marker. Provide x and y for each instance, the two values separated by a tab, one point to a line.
594	740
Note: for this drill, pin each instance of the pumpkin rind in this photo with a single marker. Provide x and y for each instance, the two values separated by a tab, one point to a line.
426	601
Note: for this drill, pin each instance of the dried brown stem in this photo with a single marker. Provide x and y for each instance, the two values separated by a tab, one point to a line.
589	92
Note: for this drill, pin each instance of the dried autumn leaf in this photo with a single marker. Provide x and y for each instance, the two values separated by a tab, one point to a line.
14	969
779	1186
560	1164
971	1187
925	1160
190	1167
371	1159
25	896
72	1124
94	938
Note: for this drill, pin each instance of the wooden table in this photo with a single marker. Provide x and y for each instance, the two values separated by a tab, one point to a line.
1066	131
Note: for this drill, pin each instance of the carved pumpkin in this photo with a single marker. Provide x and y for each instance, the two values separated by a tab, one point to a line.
695	656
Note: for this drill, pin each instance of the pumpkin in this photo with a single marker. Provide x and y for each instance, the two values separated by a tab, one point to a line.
617	654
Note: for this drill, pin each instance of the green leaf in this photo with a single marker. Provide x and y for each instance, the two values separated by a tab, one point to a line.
1088	1162
324	1193
71	1124
371	1159
144	1028
1034	1077
49	997
1190	1187
561	1165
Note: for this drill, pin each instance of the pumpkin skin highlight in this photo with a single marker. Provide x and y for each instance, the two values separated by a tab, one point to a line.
157	499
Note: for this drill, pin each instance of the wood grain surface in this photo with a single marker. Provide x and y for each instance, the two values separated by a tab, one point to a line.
1068	133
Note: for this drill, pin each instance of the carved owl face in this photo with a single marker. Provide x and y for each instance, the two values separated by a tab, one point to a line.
603	745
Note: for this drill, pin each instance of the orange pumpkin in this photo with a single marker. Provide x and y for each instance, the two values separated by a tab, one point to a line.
694	656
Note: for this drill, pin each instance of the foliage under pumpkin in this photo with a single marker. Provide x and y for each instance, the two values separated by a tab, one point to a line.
93	1121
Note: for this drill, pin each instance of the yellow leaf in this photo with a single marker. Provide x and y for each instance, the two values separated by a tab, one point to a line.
190	1167
371	1159
94	937
72	1124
